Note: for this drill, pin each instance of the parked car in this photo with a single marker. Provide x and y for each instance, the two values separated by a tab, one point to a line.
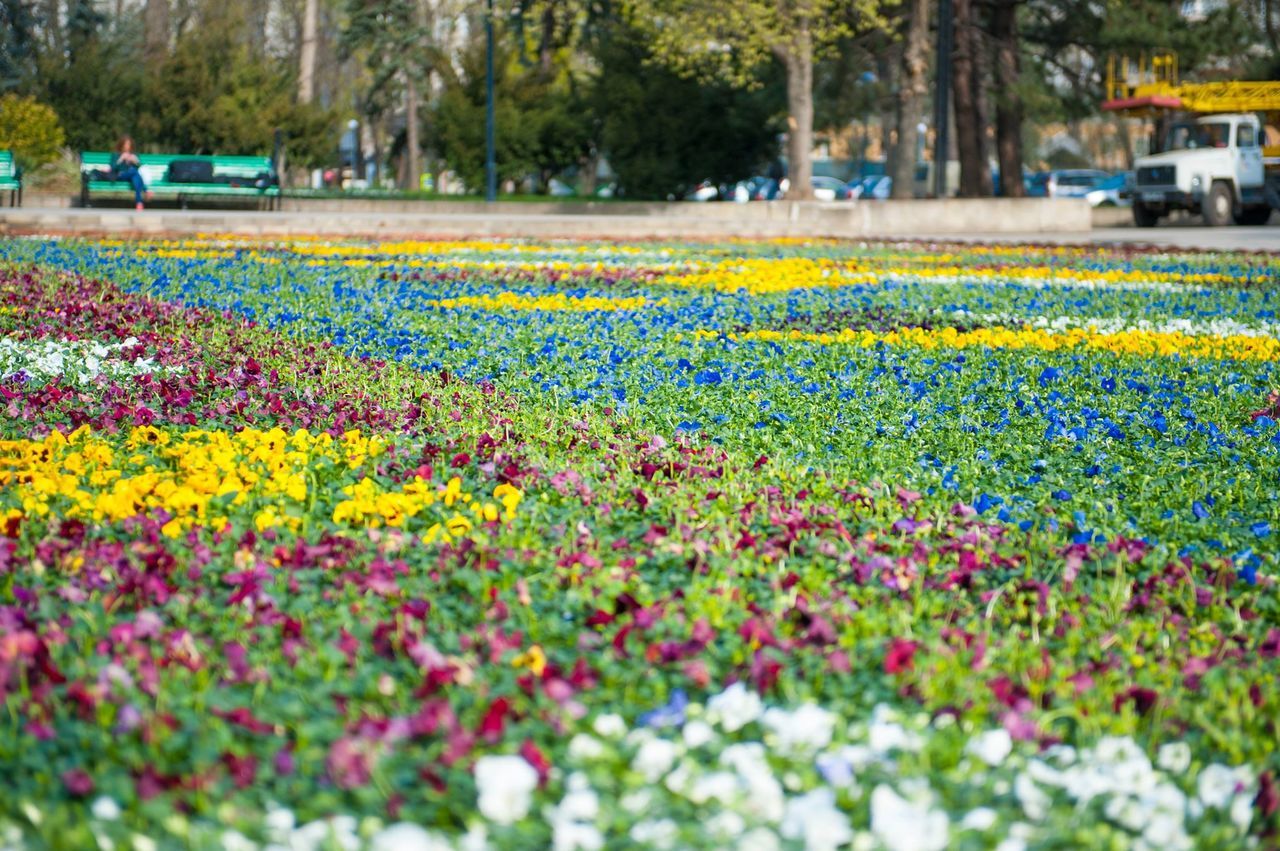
1115	191
1074	182
704	191
876	187
758	188
557	188
830	189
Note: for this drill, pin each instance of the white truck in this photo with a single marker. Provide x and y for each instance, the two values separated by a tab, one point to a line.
1213	166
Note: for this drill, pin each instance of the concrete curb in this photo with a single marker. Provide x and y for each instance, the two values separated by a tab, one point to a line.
890	219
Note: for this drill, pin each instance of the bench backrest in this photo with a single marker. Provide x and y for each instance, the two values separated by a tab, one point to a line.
7	167
155	167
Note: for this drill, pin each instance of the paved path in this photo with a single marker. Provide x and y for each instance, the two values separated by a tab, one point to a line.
1184	237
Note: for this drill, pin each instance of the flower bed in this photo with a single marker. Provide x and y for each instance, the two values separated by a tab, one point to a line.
760	545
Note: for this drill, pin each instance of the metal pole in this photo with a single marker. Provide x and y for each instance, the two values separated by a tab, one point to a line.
490	158
942	100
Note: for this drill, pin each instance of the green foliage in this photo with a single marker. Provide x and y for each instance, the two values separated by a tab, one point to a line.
98	92
31	130
541	123
17	42
213	96
664	133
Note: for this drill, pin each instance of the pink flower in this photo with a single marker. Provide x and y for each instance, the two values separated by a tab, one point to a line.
900	656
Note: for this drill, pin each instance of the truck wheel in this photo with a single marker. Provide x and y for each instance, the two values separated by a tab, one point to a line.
1217	205
1144	216
1253	216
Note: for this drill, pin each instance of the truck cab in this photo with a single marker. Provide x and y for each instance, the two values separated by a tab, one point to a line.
1212	166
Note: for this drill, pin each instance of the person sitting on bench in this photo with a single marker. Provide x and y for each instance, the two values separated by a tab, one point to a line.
124	166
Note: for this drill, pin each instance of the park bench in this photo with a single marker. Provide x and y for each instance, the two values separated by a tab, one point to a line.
10	178
241	177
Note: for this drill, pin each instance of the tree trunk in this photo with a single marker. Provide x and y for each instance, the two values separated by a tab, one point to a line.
156	30
1269	24
547	43
413	154
307	54
53	25
798	59
982	105
887	65
968	127
587	167
912	89
1004	32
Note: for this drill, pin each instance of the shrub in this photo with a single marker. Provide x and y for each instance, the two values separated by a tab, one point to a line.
31	130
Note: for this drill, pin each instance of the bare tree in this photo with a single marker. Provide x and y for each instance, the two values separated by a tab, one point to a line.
307	52
155	23
912	90
966	83
1007	69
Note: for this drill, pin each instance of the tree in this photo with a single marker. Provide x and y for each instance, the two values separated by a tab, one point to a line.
155	31
966	87
664	133
542	126
29	129
1007	67
732	39
912	90
18	43
307	51
397	38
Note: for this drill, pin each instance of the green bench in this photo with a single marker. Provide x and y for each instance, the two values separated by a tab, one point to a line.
10	178
240	177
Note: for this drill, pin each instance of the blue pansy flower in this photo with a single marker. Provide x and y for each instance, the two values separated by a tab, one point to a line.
1199	511
670	714
986	501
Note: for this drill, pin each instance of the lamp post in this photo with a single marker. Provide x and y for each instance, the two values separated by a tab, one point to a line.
354	127
490	164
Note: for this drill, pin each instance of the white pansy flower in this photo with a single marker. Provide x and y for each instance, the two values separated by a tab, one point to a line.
610	726
584	748
1216	785
636	802
697	733
580	803
403	836
105	809
1118	749
758	839
661	833
903	825
992	747
719	786
567	835
1035	803
814	818
735	707
981	819
1241	812
279	822
1174	757
505	785
726	825
1126	812
655	758
805	730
